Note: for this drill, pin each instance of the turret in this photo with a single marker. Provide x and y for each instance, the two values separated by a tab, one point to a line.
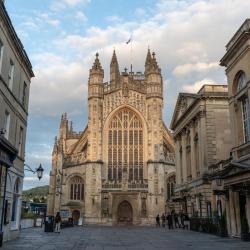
55	148
95	104
63	126
153	77
154	106
96	75
148	62
114	71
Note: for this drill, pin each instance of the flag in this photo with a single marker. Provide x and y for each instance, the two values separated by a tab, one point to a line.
129	40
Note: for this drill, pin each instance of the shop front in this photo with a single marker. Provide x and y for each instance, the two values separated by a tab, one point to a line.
7	155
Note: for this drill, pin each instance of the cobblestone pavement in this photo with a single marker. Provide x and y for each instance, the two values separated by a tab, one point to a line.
96	237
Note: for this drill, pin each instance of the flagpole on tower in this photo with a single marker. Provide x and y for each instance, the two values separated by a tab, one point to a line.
131	56
131	53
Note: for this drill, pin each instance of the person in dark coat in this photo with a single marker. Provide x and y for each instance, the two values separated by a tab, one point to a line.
170	221
58	222
176	220
163	220
157	220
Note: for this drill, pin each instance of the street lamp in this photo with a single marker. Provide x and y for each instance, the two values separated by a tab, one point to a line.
38	171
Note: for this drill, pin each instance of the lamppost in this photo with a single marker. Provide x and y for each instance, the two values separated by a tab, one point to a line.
38	171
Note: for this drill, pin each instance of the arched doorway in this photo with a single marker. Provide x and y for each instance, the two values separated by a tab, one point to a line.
75	216
125	213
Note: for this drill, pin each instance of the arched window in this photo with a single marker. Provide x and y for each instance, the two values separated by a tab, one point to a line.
15	200
76	188
239	83
246	117
241	80
125	146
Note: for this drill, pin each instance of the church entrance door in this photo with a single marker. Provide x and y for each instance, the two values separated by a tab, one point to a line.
125	213
76	216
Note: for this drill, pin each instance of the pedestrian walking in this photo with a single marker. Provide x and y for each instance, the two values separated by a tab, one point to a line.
176	220
158	220
163	220
170	221
182	217
58	223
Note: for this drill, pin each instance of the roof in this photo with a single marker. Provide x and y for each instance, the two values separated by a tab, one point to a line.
238	40
15	39
207	90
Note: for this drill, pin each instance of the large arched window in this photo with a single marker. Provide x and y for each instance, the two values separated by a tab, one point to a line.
76	188
240	83
125	146
241	80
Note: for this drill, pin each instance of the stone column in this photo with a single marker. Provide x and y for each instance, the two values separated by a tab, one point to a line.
193	167
228	217
178	163
232	213
184	156
237	213
248	208
202	142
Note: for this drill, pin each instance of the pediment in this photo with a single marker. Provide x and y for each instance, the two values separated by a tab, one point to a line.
183	103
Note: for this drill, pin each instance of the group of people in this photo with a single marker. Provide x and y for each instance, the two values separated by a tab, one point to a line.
177	220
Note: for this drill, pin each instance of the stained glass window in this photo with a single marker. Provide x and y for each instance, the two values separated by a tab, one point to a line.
125	146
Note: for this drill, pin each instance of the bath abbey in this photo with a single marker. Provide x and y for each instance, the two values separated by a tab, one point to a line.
115	171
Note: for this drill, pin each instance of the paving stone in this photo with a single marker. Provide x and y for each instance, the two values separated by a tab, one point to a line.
121	238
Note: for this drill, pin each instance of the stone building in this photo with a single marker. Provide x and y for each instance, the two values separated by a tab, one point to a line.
234	174
202	138
115	171
15	75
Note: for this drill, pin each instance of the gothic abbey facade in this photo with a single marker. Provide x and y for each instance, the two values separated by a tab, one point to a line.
116	170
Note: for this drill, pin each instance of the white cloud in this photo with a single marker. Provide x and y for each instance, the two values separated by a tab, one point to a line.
62	86
183	34
139	12
30	25
75	2
31	181
58	6
189	68
114	19
194	88
81	16
52	21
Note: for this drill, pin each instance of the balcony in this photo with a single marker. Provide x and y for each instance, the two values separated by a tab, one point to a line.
241	151
122	186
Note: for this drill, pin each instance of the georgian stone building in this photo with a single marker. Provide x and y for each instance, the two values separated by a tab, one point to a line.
115	171
15	75
234	175
202	138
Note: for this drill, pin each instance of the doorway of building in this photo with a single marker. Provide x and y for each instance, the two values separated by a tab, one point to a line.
125	213
76	216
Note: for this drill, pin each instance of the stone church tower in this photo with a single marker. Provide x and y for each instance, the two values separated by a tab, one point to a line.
115	171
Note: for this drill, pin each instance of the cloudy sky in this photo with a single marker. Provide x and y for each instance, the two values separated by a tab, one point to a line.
62	37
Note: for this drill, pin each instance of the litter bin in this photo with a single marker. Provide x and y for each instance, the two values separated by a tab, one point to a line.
49	224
